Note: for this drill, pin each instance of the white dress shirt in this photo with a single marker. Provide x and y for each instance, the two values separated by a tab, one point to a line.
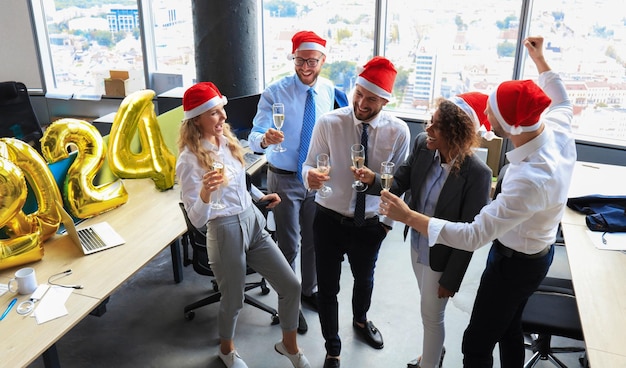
334	134
525	215
234	193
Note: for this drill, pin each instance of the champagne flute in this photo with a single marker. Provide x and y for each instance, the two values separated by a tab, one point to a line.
323	166
278	112
357	152
217	202
386	174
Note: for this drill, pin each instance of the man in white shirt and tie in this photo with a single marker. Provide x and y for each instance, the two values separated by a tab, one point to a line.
338	229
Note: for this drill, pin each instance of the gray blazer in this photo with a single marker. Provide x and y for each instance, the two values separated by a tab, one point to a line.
463	195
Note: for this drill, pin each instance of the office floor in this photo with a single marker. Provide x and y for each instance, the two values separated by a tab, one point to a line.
144	324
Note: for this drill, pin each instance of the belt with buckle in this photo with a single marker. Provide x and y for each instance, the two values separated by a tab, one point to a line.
276	170
510	253
349	221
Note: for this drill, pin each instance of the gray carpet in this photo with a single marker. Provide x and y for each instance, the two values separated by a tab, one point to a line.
144	325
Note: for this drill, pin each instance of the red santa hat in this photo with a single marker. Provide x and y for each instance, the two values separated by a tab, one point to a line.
201	97
474	105
307	40
378	77
518	105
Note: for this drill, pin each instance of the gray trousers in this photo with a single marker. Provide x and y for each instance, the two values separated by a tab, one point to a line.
294	225
233	243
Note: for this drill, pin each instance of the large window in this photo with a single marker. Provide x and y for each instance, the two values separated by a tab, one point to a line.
443	48
346	25
585	43
440	48
88	39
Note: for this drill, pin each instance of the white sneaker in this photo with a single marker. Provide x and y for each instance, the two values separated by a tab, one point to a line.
232	360
298	359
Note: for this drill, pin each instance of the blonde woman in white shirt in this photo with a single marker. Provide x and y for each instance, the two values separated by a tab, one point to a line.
236	235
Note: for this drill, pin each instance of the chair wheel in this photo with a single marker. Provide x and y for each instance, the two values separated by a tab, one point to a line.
275	319
190	315
265	290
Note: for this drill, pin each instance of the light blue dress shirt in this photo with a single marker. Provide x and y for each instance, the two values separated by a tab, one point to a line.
427	202
292	93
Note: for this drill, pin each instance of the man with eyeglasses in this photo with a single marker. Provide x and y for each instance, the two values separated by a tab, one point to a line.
294	216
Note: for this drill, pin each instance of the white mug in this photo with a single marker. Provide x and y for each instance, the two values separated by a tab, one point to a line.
24	282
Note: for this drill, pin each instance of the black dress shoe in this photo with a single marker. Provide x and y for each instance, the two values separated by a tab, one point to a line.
311	300
303	327
370	333
331	363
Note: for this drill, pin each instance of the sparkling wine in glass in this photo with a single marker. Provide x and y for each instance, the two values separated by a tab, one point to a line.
323	166
217	202
357	152
386	174
278	112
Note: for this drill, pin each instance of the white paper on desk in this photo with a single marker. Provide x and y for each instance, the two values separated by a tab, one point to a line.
614	241
52	305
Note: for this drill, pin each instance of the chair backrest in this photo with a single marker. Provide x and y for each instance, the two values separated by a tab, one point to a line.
17	116
197	242
241	111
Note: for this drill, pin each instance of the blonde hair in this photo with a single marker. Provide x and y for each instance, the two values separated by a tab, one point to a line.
190	136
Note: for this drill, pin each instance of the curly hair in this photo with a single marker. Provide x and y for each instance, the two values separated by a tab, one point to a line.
190	136
458	131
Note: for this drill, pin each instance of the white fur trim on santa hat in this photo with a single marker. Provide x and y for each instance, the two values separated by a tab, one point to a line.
374	88
305	46
512	130
205	107
463	105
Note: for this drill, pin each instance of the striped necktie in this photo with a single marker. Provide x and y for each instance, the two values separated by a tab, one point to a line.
359	206
307	129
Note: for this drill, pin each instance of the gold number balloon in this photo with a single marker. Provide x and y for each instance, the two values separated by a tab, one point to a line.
83	198
46	218
154	160
18	249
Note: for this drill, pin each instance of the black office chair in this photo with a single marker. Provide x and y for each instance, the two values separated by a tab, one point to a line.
17	117
552	311
195	240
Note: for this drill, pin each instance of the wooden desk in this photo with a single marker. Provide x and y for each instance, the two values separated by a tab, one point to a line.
149	222
598	275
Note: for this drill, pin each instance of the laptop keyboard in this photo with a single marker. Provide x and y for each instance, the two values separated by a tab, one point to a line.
90	240
251	159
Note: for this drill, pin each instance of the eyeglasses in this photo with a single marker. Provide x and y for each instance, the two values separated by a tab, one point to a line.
311	63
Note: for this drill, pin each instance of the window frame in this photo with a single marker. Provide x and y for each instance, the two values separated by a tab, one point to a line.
150	60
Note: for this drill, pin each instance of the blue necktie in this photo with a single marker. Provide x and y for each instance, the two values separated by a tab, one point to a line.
307	129
359	206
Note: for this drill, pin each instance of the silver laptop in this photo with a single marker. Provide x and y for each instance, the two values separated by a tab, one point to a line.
92	238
